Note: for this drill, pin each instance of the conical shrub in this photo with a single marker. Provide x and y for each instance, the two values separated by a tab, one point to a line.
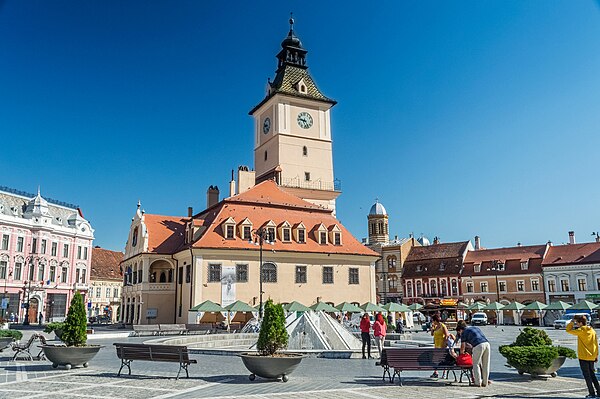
75	326
273	336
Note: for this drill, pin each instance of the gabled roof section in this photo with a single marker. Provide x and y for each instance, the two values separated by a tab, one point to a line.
334	227
269	193
504	254
438	251
572	254
265	203
165	233
105	264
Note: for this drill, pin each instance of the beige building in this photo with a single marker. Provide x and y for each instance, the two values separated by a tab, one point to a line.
106	283
305	254
172	264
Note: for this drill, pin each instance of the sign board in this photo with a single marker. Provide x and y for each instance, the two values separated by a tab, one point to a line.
4	303
151	313
592	296
227	285
448	302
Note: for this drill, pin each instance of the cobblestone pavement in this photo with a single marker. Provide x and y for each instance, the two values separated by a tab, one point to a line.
226	377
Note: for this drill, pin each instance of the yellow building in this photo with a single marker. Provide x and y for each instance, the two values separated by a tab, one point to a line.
172	263
104	297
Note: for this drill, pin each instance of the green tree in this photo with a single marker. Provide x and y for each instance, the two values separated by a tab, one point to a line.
273	336
75	326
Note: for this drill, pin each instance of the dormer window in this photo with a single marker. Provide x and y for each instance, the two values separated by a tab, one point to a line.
323	238
301	87
419	268
525	265
245	230
442	266
477	268
335	235
285	232
321	234
229	228
300	233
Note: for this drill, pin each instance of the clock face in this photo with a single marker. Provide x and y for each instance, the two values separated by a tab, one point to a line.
304	120
266	125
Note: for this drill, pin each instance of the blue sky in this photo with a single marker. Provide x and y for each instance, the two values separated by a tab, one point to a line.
464	118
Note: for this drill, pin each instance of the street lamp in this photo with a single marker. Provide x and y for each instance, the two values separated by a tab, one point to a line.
263	236
495	269
26	287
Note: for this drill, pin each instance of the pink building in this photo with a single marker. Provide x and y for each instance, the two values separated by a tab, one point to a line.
45	256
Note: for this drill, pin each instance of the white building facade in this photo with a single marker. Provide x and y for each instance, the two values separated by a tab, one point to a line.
45	256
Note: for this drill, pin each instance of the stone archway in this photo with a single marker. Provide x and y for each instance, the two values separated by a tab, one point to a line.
161	271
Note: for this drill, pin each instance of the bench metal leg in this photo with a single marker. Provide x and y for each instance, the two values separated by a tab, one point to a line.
386	370
185	367
400	377
127	363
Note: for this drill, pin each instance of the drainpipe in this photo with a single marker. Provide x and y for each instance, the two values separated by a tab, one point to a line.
176	285
191	276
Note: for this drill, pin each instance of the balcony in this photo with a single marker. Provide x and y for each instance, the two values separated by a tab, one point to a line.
160	286
296	182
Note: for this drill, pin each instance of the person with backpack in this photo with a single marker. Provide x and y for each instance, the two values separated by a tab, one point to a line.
587	352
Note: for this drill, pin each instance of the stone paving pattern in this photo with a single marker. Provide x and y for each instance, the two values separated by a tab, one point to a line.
226	377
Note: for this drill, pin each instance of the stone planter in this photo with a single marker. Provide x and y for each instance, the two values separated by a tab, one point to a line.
550	371
271	367
5	342
70	356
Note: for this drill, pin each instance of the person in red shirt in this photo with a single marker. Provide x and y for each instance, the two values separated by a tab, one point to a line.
365	328
379	331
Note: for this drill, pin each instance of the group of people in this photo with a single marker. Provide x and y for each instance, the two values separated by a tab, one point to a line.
379	332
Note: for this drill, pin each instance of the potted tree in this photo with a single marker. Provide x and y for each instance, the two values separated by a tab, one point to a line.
8	336
533	353
74	352
268	362
56	327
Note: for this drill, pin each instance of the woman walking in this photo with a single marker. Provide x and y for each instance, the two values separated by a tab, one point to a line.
365	334
379	331
587	352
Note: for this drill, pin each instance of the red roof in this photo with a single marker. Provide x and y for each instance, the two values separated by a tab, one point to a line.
573	254
105	264
165	233
435	260
511	257
261	204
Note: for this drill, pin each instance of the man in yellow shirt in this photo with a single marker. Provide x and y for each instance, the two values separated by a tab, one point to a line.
587	352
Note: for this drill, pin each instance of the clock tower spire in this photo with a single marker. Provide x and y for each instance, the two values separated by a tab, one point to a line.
292	142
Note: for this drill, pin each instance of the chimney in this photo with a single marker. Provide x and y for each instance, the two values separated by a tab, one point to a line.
190	211
477	243
212	196
232	185
518	244
436	240
571	237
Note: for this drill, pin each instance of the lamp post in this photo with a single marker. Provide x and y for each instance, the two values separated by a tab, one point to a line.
263	235
495	269
4	306
26	288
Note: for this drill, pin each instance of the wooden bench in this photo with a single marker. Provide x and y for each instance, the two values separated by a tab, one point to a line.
401	359
154	353
172	329
138	330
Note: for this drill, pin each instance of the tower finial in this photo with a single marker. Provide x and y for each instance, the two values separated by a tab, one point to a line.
38	189
291	23
139	204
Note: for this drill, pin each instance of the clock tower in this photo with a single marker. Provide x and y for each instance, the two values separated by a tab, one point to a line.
292	130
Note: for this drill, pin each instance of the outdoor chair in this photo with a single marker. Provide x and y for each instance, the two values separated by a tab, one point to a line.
24	350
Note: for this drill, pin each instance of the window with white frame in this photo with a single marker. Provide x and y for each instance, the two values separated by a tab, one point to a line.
469	286
477	268
564	285
230	231
551	285
581	284
502	286
43	247
535	285
65	250
500	266
520	285
525	265
54	248
323	238
20	241
5	238
98	292
108	292
484	286
301	236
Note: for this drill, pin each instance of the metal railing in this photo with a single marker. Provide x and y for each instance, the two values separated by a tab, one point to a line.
296	182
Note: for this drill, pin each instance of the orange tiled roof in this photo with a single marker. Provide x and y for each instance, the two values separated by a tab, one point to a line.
165	233
265	202
105	264
572	254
